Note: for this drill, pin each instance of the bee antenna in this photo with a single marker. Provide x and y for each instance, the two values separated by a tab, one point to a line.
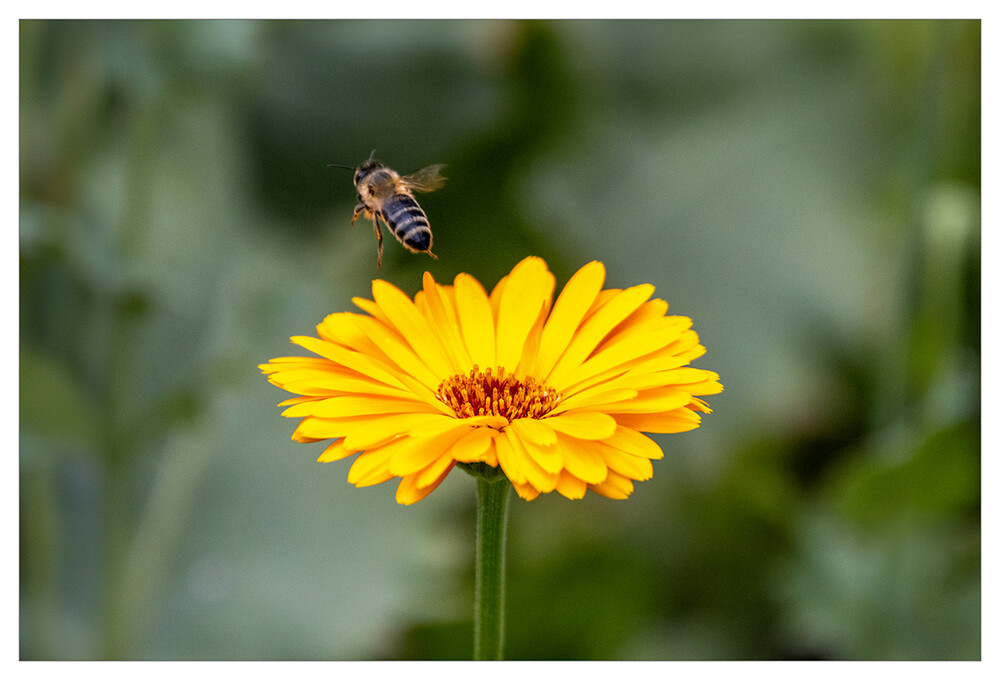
372	156
338	165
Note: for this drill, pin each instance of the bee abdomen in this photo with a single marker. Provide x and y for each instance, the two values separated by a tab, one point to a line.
408	222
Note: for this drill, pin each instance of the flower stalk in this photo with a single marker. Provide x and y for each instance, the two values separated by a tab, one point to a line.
492	494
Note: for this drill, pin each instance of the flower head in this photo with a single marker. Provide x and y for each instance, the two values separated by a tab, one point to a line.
556	395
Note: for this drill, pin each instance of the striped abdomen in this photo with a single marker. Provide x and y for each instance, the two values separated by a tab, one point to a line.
408	222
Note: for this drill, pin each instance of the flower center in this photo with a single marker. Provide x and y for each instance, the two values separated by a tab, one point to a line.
484	394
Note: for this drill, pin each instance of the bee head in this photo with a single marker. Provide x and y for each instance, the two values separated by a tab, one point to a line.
366	169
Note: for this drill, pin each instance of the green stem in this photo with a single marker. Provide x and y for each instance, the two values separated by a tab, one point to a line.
492	493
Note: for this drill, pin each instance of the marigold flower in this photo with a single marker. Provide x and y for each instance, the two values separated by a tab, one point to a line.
557	395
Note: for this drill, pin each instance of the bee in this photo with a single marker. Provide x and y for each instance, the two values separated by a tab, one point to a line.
384	194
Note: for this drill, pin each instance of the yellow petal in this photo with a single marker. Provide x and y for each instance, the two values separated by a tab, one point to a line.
425	393
342	383
472	447
527	291
298	400
634	442
625	464
435	471
660	360
412	454
594	329
412	326
548	458
370	468
304	440
298	436
583	460
362	363
317	429
335	451
284	363
349	406
489	456
506	457
692	353
687	341
583	424
644	340
476	320
495	422
598	397
495	295
657	400
409	492
688	375
377	430
699	405
526	491
342	329
710	385
399	352
679	420
571	487
538	431
615	486
373	309
575	299
446	322
651	309
531	458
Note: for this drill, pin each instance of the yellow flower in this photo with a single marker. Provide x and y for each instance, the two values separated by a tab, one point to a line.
557	395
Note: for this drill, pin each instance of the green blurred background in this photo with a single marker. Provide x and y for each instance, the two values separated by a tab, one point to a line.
808	192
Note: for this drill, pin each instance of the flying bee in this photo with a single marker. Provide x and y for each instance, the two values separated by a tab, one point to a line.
386	195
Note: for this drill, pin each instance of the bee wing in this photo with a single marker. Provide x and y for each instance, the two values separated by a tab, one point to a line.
425	179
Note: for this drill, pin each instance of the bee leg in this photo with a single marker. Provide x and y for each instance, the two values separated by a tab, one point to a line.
433	256
357	211
378	233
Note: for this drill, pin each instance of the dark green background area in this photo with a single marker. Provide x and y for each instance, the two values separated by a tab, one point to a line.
807	192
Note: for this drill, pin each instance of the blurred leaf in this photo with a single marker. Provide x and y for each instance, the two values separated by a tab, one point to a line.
52	404
451	641
892	596
581	604
940	479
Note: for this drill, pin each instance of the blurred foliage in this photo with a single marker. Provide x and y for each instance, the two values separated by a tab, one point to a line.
807	191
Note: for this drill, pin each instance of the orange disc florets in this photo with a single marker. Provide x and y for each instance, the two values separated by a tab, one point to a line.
484	394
